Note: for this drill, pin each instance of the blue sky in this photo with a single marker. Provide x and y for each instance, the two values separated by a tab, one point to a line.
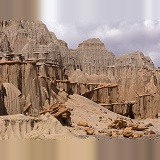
123	25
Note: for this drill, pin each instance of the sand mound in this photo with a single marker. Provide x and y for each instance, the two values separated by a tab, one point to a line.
87	111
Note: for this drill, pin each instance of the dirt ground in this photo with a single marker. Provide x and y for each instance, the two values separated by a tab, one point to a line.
88	120
99	118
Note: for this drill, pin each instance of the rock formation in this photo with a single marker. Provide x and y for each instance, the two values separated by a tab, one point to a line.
135	75
30	62
94	57
31	39
20	127
39	70
25	83
136	59
70	57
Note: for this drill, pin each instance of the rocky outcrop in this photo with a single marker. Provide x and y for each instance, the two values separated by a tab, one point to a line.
94	57
24	83
138	85
31	39
19	31
34	64
136	59
135	75
30	62
20	127
4	43
20	87
69	57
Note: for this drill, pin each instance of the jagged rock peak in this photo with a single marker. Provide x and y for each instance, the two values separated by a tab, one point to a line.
137	54
136	58
32	39
19	33
61	43
53	35
94	43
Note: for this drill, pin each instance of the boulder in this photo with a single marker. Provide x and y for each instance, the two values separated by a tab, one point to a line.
83	124
137	135
127	132
119	123
90	131
116	134
149	132
139	128
152	132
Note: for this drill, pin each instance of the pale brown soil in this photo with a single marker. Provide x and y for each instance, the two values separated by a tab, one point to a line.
99	118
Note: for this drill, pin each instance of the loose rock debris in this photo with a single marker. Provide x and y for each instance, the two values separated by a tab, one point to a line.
59	111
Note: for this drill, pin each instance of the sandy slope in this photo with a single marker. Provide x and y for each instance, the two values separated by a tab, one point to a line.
98	117
86	110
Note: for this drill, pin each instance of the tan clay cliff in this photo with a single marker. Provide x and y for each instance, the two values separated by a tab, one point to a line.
38	70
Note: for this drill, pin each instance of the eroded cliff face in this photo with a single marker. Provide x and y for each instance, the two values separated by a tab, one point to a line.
34	64
26	84
19	86
20	32
94	57
140	86
135	74
31	39
20	127
30	62
70	57
136	59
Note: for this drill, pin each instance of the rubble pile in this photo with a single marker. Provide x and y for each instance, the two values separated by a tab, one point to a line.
129	129
60	112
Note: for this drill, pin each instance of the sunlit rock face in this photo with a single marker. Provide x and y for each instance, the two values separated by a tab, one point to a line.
94	57
136	59
27	81
46	59
31	39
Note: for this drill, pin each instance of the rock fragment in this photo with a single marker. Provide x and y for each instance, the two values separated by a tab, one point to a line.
83	124
137	135
89	131
59	111
118	124
139	128
127	132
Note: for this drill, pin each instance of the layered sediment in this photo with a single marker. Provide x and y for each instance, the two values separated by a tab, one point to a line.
135	74
38	70
20	127
26	83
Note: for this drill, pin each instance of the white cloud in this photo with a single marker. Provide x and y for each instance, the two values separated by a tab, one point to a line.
59	28
49	9
99	10
78	20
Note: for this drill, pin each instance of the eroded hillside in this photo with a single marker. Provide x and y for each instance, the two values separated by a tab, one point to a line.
38	70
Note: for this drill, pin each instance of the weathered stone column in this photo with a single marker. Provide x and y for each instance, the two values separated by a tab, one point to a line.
2	109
